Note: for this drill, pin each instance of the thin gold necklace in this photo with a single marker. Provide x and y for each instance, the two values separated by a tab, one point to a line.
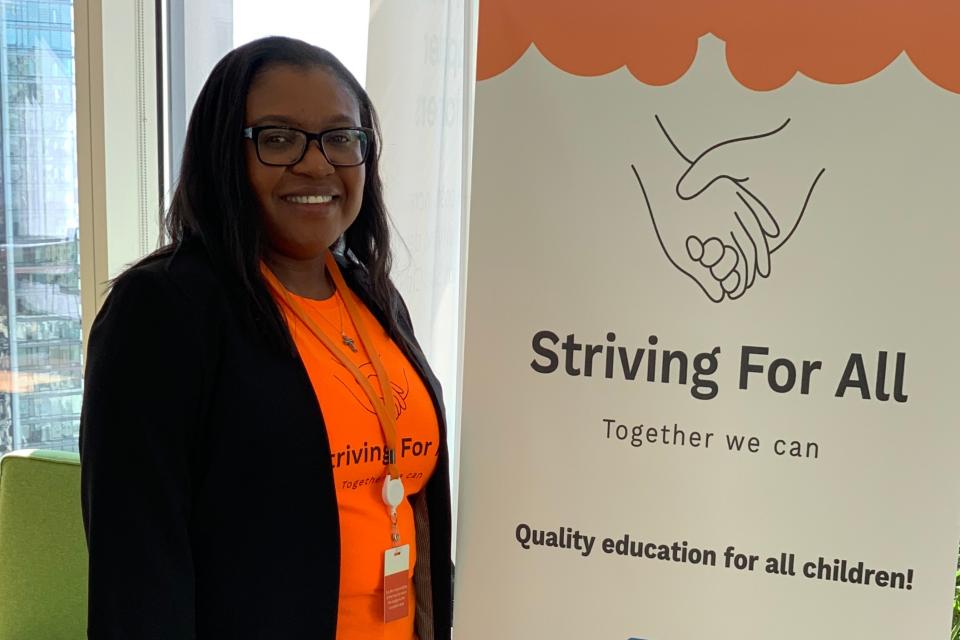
347	340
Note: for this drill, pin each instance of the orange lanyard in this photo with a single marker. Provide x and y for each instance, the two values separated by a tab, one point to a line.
382	404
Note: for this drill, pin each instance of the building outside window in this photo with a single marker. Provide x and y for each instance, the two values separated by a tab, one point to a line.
40	327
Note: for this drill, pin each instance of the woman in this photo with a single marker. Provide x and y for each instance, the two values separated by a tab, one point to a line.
244	389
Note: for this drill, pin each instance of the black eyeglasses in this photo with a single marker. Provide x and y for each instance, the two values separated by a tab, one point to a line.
286	146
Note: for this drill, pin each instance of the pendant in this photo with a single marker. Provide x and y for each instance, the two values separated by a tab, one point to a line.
347	340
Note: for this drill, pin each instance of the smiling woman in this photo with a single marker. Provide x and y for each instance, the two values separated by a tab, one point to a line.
308	197
269	316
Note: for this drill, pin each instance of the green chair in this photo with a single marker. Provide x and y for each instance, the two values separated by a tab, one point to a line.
43	554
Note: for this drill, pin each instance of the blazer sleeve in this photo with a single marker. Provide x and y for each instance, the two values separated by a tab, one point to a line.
141	413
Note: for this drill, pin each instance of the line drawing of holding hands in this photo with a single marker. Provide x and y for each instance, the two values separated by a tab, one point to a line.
717	229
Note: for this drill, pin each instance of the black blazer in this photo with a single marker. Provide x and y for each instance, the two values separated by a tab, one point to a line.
208	495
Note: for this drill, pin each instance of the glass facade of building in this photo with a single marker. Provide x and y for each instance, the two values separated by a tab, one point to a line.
40	330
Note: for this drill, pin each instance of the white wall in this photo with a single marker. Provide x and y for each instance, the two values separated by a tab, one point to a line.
340	26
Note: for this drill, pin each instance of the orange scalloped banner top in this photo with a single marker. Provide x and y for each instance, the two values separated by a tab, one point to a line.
767	41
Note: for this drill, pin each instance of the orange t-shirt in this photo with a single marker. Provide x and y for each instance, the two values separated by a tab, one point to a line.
356	453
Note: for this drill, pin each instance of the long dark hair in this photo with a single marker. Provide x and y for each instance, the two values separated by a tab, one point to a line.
214	202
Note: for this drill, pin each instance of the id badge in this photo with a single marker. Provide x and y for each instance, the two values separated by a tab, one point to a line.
396	583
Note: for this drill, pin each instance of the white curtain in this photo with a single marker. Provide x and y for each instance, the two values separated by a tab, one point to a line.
417	78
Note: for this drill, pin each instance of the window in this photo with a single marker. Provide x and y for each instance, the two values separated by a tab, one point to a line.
40	343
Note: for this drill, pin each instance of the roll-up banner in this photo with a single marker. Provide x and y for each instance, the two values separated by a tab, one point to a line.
712	323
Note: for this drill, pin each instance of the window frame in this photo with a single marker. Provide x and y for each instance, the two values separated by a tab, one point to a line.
118	165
